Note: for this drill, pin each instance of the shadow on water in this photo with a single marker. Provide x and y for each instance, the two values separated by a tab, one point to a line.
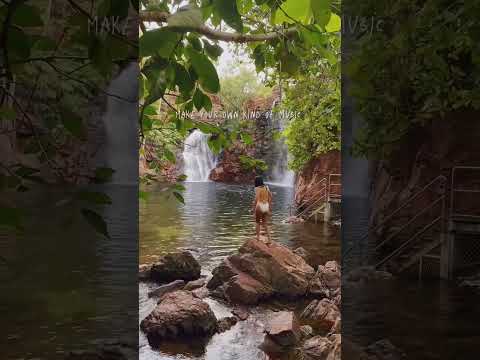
214	222
429	320
66	288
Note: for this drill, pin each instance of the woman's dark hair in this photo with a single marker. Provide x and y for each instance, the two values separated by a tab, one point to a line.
259	181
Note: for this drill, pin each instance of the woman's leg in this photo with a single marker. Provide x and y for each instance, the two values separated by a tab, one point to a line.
257	230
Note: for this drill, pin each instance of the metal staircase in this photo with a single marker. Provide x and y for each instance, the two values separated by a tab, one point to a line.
431	237
319	205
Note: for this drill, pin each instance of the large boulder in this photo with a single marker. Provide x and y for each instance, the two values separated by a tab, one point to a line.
323	313
327	280
179	314
260	271
323	348
175	266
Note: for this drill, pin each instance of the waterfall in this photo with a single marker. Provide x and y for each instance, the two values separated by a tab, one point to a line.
198	159
120	150
280	174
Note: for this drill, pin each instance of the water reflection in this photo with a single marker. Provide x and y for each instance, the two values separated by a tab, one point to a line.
66	288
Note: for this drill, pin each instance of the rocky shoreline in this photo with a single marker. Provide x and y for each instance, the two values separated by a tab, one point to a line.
256	275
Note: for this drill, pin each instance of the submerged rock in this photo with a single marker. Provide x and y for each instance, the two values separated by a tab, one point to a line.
179	314
175	266
323	313
173	286
260	271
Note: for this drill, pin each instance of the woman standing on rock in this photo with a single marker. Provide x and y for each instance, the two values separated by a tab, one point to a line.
262	207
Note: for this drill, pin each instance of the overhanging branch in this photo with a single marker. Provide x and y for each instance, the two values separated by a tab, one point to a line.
162	17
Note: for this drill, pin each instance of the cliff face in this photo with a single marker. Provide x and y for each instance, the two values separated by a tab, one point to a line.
426	153
229	168
308	183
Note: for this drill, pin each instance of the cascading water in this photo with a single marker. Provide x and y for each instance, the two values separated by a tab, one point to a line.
280	174
198	159
120	150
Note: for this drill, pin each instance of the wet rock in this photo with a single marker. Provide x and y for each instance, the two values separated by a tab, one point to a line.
179	314
241	313
283	329
173	286
306	331
144	272
367	273
301	252
226	323
245	290
201	293
260	271
337	326
195	284
323	313
384	350
175	266
327	280
322	348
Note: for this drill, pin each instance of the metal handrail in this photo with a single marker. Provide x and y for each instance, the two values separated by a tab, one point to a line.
396	211
323	188
454	190
412	220
401	247
309	207
330	185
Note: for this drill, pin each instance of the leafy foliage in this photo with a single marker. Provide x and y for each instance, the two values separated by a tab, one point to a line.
316	96
52	71
178	56
421	65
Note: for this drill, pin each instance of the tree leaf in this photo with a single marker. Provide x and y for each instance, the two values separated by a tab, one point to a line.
183	80
179	197
321	11
227	9
207	74
159	42
214	51
335	24
96	221
294	11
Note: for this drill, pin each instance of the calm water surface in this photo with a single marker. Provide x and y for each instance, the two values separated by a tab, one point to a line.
214	222
430	320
